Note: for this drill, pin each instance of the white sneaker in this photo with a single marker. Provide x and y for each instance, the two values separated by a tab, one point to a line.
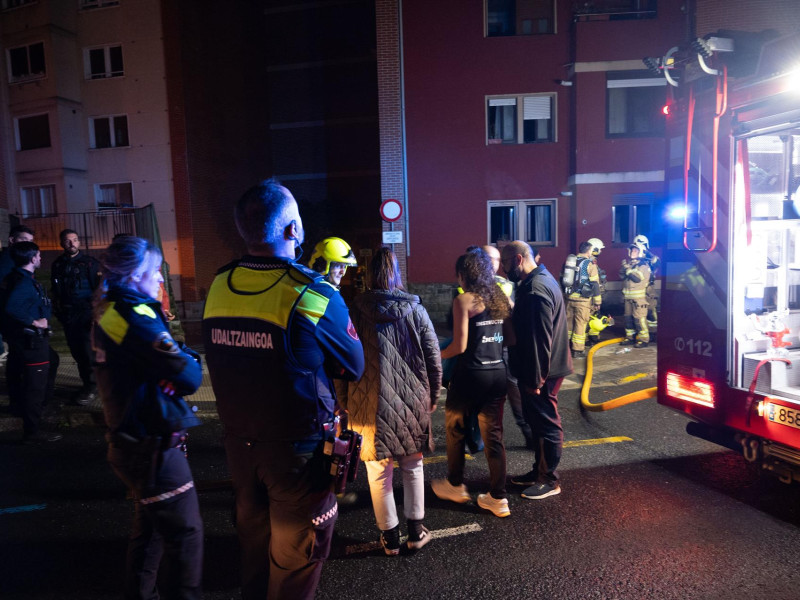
498	506
447	491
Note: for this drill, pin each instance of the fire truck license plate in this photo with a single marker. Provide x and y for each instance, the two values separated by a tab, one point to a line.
783	415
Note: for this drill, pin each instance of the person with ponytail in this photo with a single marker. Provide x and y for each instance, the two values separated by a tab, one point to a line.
142	375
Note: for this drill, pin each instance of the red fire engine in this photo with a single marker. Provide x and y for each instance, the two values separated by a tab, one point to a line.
728	337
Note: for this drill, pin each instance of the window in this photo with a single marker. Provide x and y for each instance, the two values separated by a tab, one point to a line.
99	63
113	196
631	216
634	100
38	201
90	4
9	4
32	132
109	132
615	10
26	62
519	17
531	220
520	119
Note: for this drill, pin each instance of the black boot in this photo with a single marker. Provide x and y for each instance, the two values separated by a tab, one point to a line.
418	534
390	540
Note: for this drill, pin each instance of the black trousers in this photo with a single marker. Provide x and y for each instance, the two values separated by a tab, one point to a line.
166	525
541	412
486	399
30	375
285	513
77	327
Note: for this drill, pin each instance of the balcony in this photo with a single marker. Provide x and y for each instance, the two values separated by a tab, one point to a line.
95	229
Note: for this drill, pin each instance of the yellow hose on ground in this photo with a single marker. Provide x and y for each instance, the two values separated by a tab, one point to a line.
614	402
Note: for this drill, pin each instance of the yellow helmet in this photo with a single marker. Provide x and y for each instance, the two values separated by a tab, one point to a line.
331	250
599	322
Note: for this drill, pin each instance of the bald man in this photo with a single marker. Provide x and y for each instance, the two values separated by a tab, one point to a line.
540	360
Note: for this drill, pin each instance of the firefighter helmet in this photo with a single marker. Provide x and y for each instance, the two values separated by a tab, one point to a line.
331	250
597	245
599	322
642	242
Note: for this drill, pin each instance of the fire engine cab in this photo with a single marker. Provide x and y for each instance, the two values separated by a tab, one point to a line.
729	328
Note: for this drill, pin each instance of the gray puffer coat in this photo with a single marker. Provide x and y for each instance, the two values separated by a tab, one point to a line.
390	405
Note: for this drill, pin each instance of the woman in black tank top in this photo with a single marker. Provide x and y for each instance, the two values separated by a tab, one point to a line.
481	324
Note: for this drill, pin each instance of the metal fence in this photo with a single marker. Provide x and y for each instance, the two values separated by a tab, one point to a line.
95	229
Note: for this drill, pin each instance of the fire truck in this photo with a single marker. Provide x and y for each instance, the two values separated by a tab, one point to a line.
728	334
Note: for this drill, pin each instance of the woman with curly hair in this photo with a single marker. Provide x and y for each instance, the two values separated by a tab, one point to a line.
481	326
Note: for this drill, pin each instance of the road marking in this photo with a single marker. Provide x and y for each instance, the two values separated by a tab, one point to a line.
633	377
436	534
597	441
18	509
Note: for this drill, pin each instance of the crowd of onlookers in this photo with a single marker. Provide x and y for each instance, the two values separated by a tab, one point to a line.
286	355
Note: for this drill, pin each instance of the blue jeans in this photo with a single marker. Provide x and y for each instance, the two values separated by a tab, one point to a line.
541	413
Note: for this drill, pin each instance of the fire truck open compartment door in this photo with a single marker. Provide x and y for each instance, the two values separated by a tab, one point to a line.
765	265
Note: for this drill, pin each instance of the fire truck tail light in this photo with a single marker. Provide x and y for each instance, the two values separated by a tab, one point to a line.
690	389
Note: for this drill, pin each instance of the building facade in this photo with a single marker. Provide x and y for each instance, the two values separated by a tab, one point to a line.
532	120
85	116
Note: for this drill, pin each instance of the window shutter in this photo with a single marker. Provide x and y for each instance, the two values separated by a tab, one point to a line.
502	102
535	108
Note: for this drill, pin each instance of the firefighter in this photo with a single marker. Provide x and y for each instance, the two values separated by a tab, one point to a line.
331	257
583	298
635	275
652	298
593	334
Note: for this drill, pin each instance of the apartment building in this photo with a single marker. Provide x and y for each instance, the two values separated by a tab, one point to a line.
85	118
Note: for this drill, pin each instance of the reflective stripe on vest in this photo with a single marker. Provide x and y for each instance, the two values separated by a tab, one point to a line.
250	301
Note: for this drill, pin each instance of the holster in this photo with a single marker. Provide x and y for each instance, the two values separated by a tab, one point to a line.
343	453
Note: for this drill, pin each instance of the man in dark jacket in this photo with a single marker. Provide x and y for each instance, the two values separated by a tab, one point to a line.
540	360
74	277
32	363
275	334
18	233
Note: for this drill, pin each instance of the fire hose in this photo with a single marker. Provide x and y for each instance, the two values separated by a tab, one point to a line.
614	402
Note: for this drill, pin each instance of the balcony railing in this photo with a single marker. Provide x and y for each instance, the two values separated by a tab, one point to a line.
95	229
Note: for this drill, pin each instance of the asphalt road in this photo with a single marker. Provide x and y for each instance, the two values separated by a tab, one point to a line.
646	512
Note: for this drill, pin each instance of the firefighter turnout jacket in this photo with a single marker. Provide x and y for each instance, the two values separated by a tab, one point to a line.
588	281
142	372
635	275
275	334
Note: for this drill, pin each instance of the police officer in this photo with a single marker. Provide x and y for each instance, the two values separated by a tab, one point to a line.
18	233
635	275
142	374
32	363
73	277
275	334
331	257
583	298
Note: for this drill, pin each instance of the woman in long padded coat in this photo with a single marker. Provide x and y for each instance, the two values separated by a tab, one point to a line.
390	406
